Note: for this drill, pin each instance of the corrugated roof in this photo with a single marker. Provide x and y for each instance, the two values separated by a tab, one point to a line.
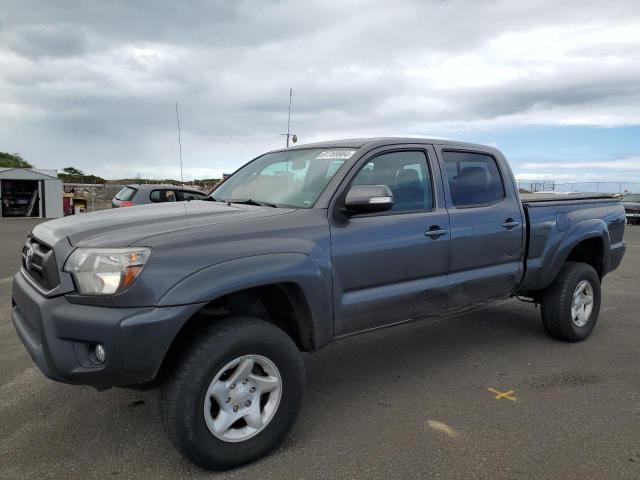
41	171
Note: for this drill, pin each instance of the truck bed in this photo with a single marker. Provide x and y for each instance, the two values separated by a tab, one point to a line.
551	222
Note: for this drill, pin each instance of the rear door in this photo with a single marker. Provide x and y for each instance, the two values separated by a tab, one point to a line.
391	267
487	227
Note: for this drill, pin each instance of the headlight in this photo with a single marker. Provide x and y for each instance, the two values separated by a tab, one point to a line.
105	271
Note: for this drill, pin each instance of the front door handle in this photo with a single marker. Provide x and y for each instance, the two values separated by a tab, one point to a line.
435	232
510	223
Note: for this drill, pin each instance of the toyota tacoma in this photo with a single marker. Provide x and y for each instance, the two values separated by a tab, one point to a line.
214	300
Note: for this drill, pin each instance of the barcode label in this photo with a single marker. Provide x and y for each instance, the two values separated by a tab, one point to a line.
336	155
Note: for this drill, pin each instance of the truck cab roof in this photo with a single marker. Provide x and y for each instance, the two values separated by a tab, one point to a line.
374	142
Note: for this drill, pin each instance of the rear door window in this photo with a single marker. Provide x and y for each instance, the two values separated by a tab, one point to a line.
170	196
163	195
474	178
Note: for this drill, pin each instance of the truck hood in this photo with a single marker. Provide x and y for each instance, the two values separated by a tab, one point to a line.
124	226
631	205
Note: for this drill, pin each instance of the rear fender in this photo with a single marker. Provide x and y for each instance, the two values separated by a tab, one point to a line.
585	230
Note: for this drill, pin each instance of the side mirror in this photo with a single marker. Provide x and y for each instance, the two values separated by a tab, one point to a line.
369	199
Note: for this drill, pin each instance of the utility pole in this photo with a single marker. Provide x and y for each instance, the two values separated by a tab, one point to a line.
179	143
293	137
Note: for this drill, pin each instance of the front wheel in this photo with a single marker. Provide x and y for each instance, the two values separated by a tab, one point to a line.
571	304
235	394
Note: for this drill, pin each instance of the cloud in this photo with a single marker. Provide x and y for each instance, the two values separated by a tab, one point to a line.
630	163
93	83
48	41
620	168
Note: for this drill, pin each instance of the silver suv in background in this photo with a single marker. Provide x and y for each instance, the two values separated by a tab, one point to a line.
133	195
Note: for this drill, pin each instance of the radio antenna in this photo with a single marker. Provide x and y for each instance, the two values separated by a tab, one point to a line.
179	143
289	134
289	117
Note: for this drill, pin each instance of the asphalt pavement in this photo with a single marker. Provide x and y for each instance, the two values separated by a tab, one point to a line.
484	395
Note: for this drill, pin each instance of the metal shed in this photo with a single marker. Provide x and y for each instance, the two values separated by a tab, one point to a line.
30	192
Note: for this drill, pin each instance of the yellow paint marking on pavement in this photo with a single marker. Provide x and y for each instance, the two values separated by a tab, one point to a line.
442	427
510	395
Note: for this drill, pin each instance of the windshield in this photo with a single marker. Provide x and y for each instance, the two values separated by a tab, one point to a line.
632	197
293	178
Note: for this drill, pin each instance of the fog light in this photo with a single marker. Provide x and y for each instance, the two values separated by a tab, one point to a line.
100	353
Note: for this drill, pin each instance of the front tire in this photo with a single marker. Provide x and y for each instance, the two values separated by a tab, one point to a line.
571	304
234	395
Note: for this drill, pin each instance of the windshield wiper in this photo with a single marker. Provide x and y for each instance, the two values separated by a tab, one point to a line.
250	201
211	198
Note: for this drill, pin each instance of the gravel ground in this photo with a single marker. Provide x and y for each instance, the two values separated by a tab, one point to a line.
410	402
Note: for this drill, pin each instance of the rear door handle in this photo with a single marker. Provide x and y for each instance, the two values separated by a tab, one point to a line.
510	223
435	232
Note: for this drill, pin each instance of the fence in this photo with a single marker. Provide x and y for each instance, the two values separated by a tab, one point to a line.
585	187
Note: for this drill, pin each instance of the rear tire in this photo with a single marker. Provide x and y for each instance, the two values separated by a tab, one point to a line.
571	304
191	403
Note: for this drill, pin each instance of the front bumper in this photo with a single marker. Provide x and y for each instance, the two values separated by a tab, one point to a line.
60	337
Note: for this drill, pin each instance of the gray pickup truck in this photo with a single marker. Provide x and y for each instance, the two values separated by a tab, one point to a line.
214	300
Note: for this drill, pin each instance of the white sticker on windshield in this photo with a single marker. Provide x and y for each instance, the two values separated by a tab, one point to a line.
336	155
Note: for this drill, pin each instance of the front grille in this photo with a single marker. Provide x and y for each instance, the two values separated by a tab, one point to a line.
40	263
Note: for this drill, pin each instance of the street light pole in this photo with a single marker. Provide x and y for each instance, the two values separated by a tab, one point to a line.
179	144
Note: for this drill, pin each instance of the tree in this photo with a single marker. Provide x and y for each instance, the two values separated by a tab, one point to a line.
73	171
8	160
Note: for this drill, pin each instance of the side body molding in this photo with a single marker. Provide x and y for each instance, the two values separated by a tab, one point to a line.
231	276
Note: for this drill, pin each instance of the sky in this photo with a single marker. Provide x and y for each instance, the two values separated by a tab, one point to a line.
92	84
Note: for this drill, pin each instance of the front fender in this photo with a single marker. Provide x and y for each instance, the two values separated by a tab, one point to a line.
584	230
232	276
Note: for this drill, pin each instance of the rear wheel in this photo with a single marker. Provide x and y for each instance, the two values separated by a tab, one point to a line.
235	394
571	304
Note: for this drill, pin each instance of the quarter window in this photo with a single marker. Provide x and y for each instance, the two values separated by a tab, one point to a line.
126	194
154	196
407	176
474	178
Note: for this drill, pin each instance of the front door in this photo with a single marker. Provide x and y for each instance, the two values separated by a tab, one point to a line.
391	267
